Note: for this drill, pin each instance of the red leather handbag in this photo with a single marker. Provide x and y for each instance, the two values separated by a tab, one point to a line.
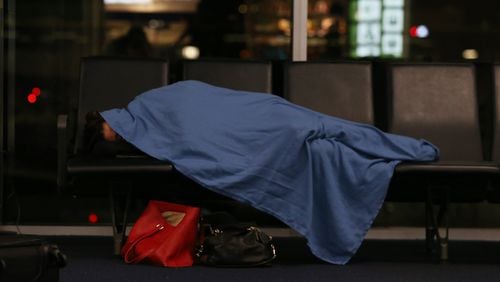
165	234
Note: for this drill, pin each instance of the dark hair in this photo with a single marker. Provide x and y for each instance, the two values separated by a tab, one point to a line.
94	143
92	132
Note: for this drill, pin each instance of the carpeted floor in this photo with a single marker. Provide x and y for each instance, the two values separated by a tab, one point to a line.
91	259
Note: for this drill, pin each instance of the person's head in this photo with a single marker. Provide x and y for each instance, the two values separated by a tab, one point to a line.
99	139
96	131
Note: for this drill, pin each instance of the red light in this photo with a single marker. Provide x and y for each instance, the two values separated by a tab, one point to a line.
413	31
36	91
32	98
93	218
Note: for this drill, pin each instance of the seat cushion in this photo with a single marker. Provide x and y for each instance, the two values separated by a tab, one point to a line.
118	165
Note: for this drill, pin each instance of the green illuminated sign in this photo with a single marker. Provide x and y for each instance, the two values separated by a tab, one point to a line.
376	28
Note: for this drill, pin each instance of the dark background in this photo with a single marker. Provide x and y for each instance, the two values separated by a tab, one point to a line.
43	41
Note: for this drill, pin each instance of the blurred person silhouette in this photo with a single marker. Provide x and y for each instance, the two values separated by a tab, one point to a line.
336	32
133	43
214	22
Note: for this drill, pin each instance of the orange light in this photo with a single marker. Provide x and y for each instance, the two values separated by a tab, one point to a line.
93	218
32	98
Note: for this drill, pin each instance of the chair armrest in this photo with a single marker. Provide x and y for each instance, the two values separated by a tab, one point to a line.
62	149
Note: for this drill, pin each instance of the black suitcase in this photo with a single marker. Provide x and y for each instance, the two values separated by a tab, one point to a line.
29	258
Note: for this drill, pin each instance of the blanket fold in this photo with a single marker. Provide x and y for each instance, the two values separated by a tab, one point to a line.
323	176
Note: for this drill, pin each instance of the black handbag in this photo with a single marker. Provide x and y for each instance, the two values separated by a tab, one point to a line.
234	245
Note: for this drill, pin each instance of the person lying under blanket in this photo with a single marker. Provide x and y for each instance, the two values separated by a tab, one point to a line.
100	140
323	176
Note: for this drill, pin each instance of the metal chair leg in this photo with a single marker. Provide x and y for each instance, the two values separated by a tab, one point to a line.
443	221
119	232
433	222
430	230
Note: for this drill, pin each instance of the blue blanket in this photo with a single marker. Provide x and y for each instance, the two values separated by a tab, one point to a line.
323	176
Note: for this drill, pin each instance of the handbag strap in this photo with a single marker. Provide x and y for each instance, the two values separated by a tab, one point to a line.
129	255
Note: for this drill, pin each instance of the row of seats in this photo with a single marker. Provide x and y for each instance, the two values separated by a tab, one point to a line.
343	89
419	97
360	91
438	102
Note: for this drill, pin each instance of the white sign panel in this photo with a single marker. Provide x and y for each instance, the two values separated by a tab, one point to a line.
393	20
368	33
369	10
394	3
392	44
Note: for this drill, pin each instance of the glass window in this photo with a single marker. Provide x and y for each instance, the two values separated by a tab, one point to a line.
44	40
50	37
327	29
